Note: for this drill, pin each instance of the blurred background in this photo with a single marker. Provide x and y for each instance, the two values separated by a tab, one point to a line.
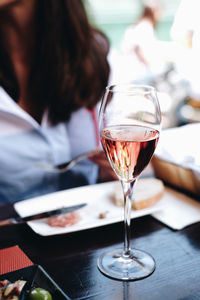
173	76
114	16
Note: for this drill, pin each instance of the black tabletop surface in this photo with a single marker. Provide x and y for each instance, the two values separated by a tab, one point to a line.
71	259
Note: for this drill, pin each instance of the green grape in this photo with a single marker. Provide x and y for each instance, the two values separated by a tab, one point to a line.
39	294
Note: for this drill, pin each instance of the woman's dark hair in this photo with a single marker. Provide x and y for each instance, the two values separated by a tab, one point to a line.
69	67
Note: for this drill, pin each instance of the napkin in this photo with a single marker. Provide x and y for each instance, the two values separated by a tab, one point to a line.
13	258
180	145
177	210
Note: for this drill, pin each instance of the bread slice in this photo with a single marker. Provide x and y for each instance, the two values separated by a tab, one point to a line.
148	191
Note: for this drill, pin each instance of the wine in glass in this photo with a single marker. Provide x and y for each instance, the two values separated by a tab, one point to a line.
129	123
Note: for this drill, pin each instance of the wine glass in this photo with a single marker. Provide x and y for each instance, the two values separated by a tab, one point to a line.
129	124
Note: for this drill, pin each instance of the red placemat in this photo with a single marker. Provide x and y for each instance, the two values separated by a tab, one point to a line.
13	258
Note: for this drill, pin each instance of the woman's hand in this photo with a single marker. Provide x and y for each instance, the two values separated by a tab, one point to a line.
106	173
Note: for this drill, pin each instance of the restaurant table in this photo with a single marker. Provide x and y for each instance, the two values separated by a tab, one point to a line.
71	259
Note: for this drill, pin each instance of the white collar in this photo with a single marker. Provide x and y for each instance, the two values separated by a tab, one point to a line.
8	105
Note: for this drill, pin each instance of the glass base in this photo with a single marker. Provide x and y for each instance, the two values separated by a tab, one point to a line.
137	265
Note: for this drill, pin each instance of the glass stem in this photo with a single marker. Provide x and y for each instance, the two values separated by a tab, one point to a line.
128	192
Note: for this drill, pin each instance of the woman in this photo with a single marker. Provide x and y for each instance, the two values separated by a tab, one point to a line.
53	70
140	44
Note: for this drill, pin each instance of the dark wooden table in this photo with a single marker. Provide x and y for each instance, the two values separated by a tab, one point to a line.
71	259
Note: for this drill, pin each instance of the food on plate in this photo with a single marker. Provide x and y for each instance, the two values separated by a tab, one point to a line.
103	215
148	191
11	290
64	220
39	294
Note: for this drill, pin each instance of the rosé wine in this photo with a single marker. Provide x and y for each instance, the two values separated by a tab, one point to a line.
129	148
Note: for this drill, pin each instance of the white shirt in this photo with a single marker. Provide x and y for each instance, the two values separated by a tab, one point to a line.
24	143
187	22
142	35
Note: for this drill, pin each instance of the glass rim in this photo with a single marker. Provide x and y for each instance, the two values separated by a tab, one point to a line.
134	88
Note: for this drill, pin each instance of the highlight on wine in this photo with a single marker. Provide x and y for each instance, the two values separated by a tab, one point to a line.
129	148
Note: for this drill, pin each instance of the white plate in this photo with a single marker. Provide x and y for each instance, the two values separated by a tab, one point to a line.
98	197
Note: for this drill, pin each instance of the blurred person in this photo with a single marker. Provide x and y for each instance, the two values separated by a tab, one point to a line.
185	23
185	32
53	71
140	44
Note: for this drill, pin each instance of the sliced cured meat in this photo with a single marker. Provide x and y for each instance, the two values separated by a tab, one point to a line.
64	220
